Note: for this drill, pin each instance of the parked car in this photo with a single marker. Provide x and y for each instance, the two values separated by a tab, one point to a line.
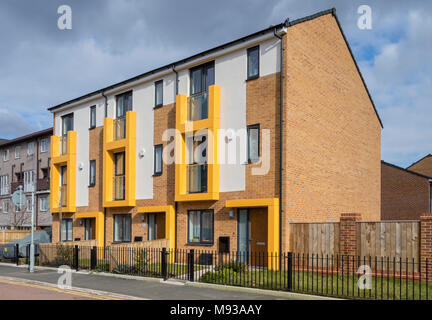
8	250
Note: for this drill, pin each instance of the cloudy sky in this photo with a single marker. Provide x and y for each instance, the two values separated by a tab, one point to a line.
112	40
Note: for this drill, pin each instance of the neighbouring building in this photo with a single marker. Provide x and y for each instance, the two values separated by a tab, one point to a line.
25	162
109	181
423	166
405	194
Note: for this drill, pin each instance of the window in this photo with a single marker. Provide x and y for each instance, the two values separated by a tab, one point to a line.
6	155
201	78
5	206
18	208
122	228
159	93
4	185
29	205
253	62
92	181
158	159
17	152
43	204
66	231
87	229
124	104
28	181
30	148
92	117
67	123
44	145
200	226
151	234
253	135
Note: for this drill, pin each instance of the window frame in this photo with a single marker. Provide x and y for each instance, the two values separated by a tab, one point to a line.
157	84
31	143
66	116
44	141
5	155
19	152
249	127
157	173
43	200
92	162
92	117
249	52
201	243
204	77
117	97
67	233
5	204
123	215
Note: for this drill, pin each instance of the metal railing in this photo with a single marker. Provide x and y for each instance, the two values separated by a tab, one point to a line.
197	178
63	145
119	128
119	187
63	195
198	107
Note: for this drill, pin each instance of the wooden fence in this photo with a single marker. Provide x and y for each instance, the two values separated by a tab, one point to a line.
315	238
12	235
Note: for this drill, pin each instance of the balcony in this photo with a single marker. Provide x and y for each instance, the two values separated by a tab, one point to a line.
119	129
63	196
63	145
119	136
15	185
197	178
198	107
119	188
42	184
4	190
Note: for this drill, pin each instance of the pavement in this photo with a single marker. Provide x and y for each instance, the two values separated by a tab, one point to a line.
41	284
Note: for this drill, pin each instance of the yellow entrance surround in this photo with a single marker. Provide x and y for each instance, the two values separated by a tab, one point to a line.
272	205
100	230
169	220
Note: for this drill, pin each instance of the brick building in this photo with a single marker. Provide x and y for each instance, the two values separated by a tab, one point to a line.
109	182
423	166
25	161
405	194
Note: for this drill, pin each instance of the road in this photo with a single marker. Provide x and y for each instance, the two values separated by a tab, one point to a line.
24	285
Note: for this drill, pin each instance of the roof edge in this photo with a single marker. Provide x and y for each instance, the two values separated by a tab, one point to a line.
428	155
406	170
29	136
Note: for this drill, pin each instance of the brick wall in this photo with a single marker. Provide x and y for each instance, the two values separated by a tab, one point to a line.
348	233
404	195
423	166
426	244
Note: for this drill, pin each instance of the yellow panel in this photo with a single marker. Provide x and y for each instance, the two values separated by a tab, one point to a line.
100	226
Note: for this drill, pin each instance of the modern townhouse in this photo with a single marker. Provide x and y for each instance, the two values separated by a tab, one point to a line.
217	150
405	194
25	162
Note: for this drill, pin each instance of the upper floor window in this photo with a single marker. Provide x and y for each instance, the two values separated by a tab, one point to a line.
28	181
124	104
92	117
253	142
158	159
67	123
253	62
92	181
17	152
201	78
159	93
30	148
5	206
44	145
43	204
6	155
4	185
29	205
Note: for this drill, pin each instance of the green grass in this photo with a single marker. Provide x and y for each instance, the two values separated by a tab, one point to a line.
322	284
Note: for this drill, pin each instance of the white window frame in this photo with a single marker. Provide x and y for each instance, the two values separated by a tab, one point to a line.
43	204
30	148
28	181
17	154
44	142
4	184
6	155
5	206
28	204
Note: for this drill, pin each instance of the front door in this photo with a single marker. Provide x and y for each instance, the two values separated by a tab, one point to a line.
243	245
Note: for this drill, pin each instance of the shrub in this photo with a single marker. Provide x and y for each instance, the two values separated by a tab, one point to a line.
234	266
102	267
212	277
123	269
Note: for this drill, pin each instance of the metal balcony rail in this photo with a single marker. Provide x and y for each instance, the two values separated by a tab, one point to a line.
63	195
119	187
198	107
119	128
63	145
197	178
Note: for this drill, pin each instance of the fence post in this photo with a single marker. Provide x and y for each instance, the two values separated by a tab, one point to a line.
93	255
348	236
191	265
289	271
76	257
164	264
28	255
17	254
425	243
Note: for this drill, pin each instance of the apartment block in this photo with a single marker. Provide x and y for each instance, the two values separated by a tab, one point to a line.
25	163
224	149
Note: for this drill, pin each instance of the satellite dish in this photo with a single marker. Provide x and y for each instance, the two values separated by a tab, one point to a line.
18	197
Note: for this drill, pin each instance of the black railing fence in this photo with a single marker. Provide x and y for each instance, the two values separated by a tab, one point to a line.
342	276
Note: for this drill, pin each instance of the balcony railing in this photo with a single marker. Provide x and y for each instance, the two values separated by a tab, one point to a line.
42	184
198	107
119	128
63	196
63	145
197	178
28	187
119	188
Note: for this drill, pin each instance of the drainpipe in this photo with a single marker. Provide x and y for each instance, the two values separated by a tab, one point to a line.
175	202
106	103
281	130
